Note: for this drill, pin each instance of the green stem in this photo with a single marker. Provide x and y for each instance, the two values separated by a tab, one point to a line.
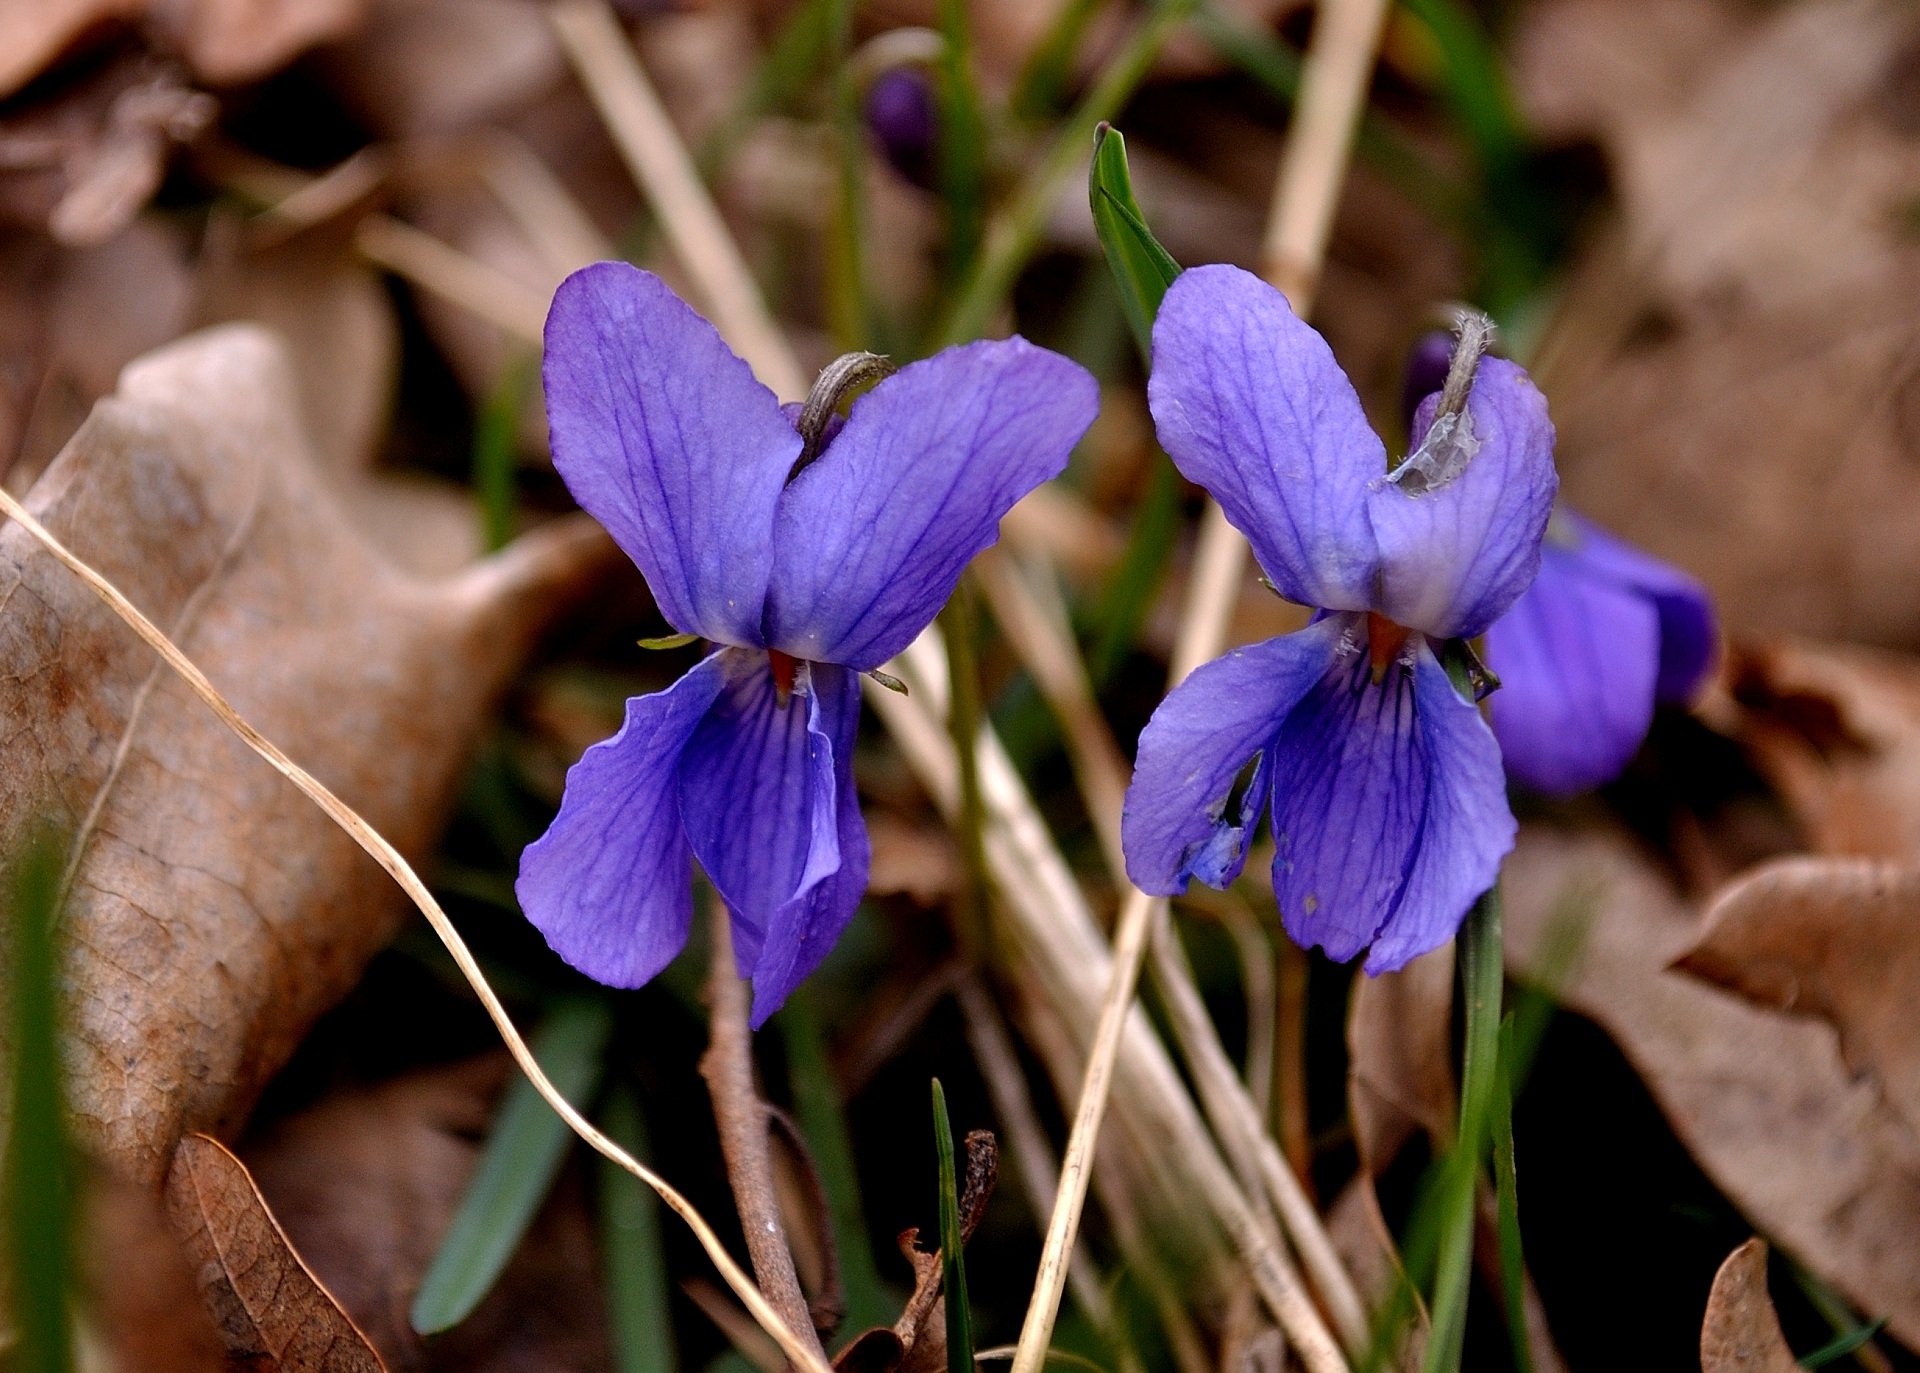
1479	947
961	621
1013	239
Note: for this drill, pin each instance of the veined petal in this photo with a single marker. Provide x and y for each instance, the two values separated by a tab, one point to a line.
1577	658
1389	810
1459	523
758	797
804	930
609	884
1250	404
871	538
1689	629
1175	824
665	437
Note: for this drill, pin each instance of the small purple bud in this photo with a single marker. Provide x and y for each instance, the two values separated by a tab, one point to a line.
903	118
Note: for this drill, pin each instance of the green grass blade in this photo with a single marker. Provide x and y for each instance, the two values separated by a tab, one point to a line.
1474	81
952	1257
496	432
1846	1344
1506	1200
1037	93
522	1157
1142	269
630	1244
816	1105
798	52
39	1174
961	152
850	308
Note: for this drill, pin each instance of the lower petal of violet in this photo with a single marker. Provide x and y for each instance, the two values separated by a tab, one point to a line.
759	798
609	884
1577	658
1178	822
803	931
1389	810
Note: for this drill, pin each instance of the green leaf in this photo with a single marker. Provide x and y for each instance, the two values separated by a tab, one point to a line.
1142	269
670	641
952	1257
39	1167
1506	1201
1037	93
961	151
798	52
496	432
1843	1346
522	1157
635	1262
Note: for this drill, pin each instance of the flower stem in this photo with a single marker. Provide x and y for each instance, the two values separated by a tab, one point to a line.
1480	980
962	622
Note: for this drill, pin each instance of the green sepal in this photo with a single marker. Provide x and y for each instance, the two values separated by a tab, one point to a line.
1142	269
669	641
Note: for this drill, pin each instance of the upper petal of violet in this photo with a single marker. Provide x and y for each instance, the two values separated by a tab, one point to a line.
1689	628
610	882
1175	823
1249	403
665	437
1459	524
871	538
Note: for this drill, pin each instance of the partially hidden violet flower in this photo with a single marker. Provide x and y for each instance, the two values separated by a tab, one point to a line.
903	118
1388	807
803	573
1604	635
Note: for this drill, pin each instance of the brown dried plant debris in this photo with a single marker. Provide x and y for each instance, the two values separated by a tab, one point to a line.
224	42
365	1183
1836	730
1735	366
272	1313
1741	1333
1833	938
1766	1103
214	913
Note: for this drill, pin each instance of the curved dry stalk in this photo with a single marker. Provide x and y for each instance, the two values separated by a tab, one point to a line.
377	848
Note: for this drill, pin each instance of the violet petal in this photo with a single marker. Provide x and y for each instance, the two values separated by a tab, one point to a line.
609	884
1174	825
871	538
1459	547
1689	628
665	437
1249	403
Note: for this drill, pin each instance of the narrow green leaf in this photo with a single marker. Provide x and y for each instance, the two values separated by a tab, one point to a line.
850	306
39	1169
961	148
1037	93
522	1157
816	1105
952	1258
496	432
799	50
1474	81
1142	269
670	641
635	1262
1846	1344
1506	1200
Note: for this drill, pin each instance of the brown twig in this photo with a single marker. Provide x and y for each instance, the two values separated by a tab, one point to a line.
741	1115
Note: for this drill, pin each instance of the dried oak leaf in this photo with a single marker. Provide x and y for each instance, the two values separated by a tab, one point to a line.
1834	938
214	911
1836	729
271	1311
1741	1332
1736	365
1765	1102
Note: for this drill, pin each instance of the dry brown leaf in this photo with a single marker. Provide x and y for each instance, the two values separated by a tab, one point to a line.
1764	1102
1400	1056
214	912
1836	729
1735	367
1833	938
1741	1333
365	1183
33	34
271	1311
228	42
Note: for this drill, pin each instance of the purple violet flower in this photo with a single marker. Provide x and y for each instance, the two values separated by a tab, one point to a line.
903	118
804	574
1388	807
1604	634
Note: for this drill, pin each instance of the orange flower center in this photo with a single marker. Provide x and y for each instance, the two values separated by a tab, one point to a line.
1385	639
784	669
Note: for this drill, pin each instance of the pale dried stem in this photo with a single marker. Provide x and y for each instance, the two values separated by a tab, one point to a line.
382	852
608	68
444	270
741	1115
1313	167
